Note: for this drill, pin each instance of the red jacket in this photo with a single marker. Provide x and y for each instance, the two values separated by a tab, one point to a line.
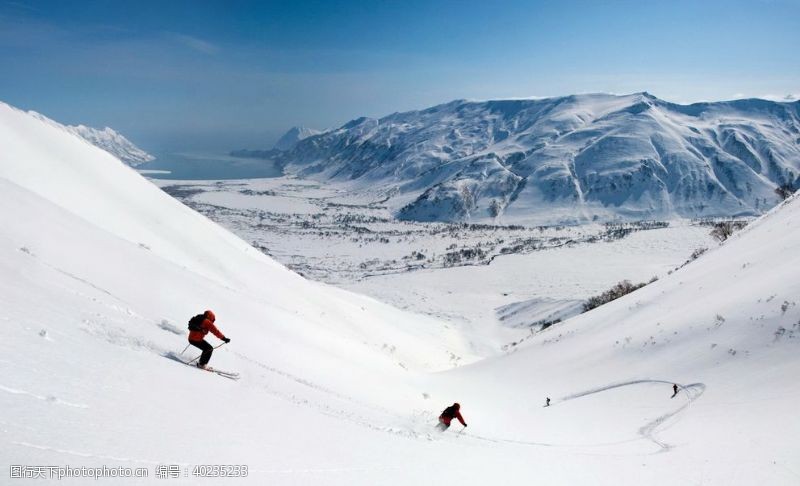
447	419
207	326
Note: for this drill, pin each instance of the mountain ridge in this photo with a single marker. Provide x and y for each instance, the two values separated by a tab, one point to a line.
106	139
287	141
114	143
293	136
566	159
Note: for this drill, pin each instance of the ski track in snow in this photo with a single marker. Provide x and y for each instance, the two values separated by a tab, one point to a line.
648	431
27	251
48	398
289	376
693	392
118	336
327	409
124	309
88	454
420	419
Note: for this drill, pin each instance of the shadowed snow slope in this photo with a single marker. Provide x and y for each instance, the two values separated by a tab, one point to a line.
99	271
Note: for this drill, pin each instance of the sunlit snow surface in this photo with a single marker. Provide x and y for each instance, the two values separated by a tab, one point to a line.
100	270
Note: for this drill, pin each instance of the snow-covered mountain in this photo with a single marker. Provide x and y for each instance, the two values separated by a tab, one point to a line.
574	158
107	139
293	136
287	141
99	271
114	143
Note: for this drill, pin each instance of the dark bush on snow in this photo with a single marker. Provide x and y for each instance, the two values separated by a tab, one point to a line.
614	293
785	191
725	229
696	254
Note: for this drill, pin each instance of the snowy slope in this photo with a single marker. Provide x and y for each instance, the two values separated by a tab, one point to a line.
725	328
99	271
568	159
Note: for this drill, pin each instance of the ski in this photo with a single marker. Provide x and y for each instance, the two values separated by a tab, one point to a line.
227	374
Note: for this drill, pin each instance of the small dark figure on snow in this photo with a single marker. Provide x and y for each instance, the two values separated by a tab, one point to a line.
199	326
447	416
547	402
674	390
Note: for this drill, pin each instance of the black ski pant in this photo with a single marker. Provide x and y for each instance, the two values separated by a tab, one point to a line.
206	348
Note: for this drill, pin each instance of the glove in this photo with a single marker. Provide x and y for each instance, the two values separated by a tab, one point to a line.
227	340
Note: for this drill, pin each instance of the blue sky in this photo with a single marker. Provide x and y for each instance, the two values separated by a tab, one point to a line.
217	75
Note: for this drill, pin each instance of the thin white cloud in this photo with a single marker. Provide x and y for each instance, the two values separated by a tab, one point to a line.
771	97
783	97
195	43
22	6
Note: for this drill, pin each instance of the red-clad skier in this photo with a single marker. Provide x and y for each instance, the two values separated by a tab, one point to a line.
450	413
199	326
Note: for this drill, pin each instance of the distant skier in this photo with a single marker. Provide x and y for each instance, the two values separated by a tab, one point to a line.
199	326
674	390
547	402
447	416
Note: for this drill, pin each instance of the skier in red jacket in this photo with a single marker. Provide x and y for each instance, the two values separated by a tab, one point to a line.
197	334
450	413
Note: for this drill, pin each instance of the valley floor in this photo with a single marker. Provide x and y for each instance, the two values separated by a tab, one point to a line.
494	283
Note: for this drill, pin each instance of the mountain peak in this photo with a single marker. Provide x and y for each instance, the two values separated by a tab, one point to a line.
112	142
292	136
